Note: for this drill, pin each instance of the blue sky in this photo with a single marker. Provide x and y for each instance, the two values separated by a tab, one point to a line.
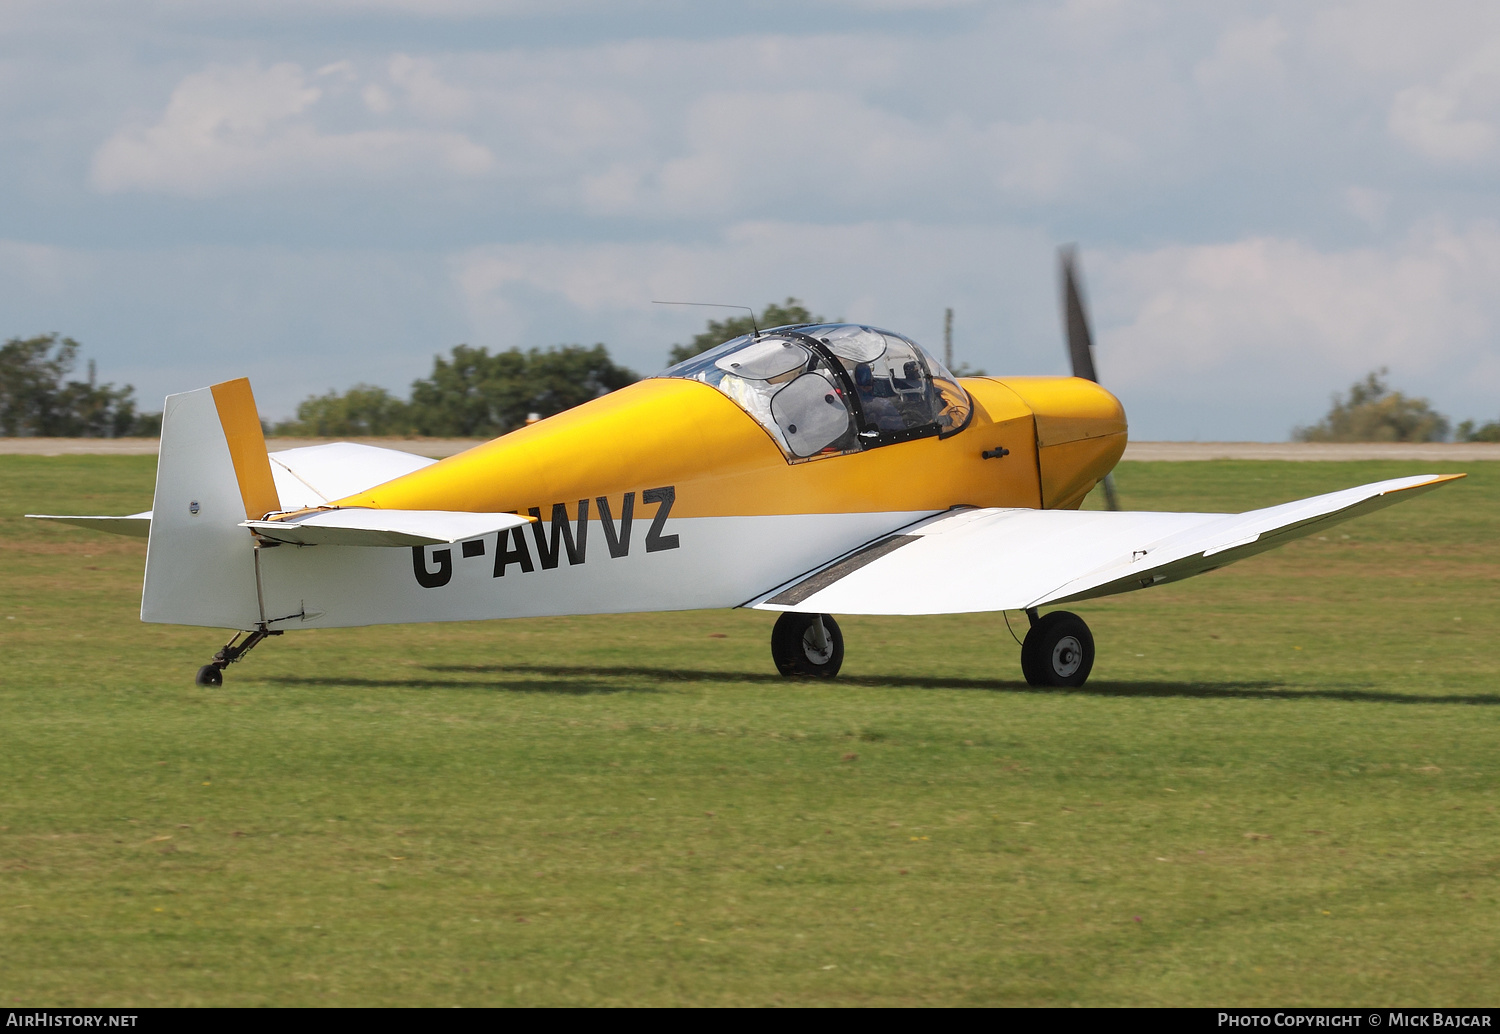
1271	198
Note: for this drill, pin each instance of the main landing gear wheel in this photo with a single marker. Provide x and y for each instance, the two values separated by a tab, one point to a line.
1058	651
209	675
807	645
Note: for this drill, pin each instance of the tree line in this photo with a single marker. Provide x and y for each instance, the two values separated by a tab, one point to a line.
39	399
472	393
1372	412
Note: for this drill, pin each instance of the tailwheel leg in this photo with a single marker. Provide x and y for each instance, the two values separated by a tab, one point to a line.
212	673
1058	650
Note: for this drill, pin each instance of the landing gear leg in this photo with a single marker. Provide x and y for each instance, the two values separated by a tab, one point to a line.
807	644
212	673
1058	651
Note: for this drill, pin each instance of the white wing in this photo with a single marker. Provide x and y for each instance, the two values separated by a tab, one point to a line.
993	559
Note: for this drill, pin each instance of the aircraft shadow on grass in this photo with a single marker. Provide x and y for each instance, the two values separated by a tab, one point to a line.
546	682
584	680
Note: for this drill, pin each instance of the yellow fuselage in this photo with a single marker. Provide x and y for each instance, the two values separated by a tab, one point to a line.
1063	435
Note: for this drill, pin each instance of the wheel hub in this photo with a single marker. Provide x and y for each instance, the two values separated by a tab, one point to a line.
1067	655
810	647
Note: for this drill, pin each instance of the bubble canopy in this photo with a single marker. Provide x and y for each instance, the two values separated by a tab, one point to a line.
829	389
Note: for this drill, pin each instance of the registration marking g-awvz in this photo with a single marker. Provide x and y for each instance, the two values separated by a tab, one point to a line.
565	536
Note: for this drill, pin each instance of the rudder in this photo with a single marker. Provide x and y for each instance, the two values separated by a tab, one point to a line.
212	473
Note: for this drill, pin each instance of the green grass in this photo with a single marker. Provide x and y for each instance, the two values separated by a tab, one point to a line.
1278	788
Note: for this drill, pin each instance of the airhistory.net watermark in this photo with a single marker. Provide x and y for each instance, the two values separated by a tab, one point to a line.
54	1018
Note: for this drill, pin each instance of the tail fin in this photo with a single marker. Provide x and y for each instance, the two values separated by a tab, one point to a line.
211	475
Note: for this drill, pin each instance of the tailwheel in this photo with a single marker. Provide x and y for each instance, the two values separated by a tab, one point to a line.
807	645
1058	651
241	643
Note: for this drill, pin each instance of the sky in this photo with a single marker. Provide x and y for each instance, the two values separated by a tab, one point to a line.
1270	199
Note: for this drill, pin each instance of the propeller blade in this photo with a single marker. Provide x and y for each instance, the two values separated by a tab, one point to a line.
1075	317
1080	339
1111	500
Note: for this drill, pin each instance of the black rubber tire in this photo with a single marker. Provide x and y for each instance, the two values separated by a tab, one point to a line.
209	675
1058	651
1028	665
793	651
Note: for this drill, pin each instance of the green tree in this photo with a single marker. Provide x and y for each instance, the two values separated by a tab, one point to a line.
789	313
36	400
363	411
472	393
1374	413
1468	431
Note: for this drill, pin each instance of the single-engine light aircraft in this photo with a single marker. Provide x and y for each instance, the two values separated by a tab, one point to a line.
811	470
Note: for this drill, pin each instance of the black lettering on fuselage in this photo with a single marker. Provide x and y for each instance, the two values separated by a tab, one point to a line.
516	554
432	579
655	540
564	536
617	541
546	551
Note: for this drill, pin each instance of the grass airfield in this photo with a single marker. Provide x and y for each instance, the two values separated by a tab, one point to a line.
1278	788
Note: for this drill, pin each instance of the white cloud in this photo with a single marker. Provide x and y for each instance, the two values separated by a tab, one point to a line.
176	318
1371	41
233	128
1254	167
834	151
1271	322
1248	52
898	275
1368	205
376	99
738	128
426	91
1457	120
1434	67
1241	339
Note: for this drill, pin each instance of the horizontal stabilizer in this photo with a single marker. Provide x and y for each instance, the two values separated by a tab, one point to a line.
137	525
359	526
313	476
972	560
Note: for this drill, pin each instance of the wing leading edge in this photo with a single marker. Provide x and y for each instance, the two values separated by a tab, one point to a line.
973	560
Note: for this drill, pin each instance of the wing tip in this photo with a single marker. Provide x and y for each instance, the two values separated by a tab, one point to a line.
1432	481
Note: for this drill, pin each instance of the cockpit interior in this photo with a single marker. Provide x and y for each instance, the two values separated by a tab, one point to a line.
834	388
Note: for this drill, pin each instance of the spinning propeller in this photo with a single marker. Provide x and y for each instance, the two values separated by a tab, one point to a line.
1080	340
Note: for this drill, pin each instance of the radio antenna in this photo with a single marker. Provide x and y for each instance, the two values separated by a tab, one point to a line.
717	305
